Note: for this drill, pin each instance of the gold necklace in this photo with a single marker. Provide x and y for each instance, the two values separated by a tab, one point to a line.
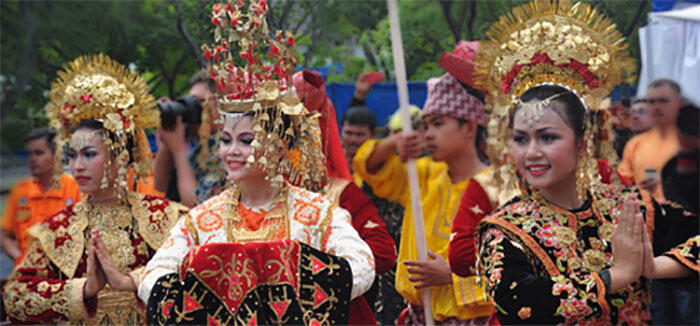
116	224
273	221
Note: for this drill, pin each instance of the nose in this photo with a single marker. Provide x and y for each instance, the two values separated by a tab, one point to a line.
76	164
428	134
232	150
533	151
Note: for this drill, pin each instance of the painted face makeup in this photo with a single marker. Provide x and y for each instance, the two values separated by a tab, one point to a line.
86	159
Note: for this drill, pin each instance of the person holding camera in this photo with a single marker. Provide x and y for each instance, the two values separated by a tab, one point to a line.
186	172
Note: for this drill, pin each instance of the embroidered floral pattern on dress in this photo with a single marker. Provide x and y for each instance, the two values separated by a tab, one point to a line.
560	248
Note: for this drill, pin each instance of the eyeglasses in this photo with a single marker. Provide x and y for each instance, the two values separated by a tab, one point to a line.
660	100
639	112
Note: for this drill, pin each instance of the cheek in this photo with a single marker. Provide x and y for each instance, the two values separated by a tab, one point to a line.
97	165
517	154
563	154
222	150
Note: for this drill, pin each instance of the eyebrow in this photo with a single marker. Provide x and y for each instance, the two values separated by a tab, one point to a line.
82	149
434	118
538	130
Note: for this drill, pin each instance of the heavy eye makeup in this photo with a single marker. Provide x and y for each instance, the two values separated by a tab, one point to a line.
246	138
519	137
225	138
545	136
87	152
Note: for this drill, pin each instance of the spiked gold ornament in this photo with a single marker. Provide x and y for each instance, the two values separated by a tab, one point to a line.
253	73
552	43
97	87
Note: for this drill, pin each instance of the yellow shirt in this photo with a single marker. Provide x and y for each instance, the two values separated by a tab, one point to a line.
648	150
440	199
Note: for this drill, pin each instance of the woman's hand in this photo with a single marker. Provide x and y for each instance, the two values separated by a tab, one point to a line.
648	266
432	272
627	252
95	275
115	278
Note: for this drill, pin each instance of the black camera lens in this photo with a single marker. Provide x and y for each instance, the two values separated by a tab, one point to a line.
188	107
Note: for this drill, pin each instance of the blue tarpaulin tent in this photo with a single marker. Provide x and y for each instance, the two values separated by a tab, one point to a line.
382	99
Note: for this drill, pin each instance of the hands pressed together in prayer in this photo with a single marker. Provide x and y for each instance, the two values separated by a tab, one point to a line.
101	270
633	260
432	272
628	254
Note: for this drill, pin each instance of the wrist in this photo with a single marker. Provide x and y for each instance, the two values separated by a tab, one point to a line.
620	277
87	290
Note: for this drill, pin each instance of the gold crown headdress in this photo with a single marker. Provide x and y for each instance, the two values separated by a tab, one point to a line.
552	43
253	74
97	87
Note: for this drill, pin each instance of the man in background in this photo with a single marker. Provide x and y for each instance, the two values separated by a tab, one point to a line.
180	171
359	123
36	198
640	118
645	154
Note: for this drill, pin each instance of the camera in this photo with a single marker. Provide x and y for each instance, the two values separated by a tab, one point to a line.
188	107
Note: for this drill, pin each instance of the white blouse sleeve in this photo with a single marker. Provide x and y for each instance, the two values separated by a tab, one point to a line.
168	257
343	241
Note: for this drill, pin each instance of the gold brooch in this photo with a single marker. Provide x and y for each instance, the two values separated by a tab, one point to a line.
564	235
594	260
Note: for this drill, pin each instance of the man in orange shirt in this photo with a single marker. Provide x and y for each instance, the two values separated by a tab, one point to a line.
646	153
32	200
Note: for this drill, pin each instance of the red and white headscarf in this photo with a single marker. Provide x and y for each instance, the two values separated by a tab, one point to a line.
446	96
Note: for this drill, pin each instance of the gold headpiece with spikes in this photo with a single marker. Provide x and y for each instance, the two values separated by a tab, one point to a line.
552	43
253	74
97	87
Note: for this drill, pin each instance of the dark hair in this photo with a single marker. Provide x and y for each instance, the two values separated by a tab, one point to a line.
567	105
202	77
93	124
665	81
360	115
687	120
638	100
46	133
473	91
480	136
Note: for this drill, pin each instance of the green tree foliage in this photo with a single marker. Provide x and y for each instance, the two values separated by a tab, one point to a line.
161	39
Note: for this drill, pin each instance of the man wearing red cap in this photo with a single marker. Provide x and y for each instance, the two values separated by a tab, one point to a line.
454	119
341	190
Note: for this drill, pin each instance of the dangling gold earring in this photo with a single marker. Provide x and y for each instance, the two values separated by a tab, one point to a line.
106	169
581	179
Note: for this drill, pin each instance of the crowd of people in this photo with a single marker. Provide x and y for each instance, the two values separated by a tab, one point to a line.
541	204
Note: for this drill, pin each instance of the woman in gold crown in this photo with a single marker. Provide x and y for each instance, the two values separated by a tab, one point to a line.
262	251
84	260
566	250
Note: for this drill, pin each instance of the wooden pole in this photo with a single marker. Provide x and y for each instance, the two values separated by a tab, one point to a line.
417	208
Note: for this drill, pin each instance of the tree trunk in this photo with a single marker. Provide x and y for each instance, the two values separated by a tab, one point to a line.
635	20
28	59
194	49
455	26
